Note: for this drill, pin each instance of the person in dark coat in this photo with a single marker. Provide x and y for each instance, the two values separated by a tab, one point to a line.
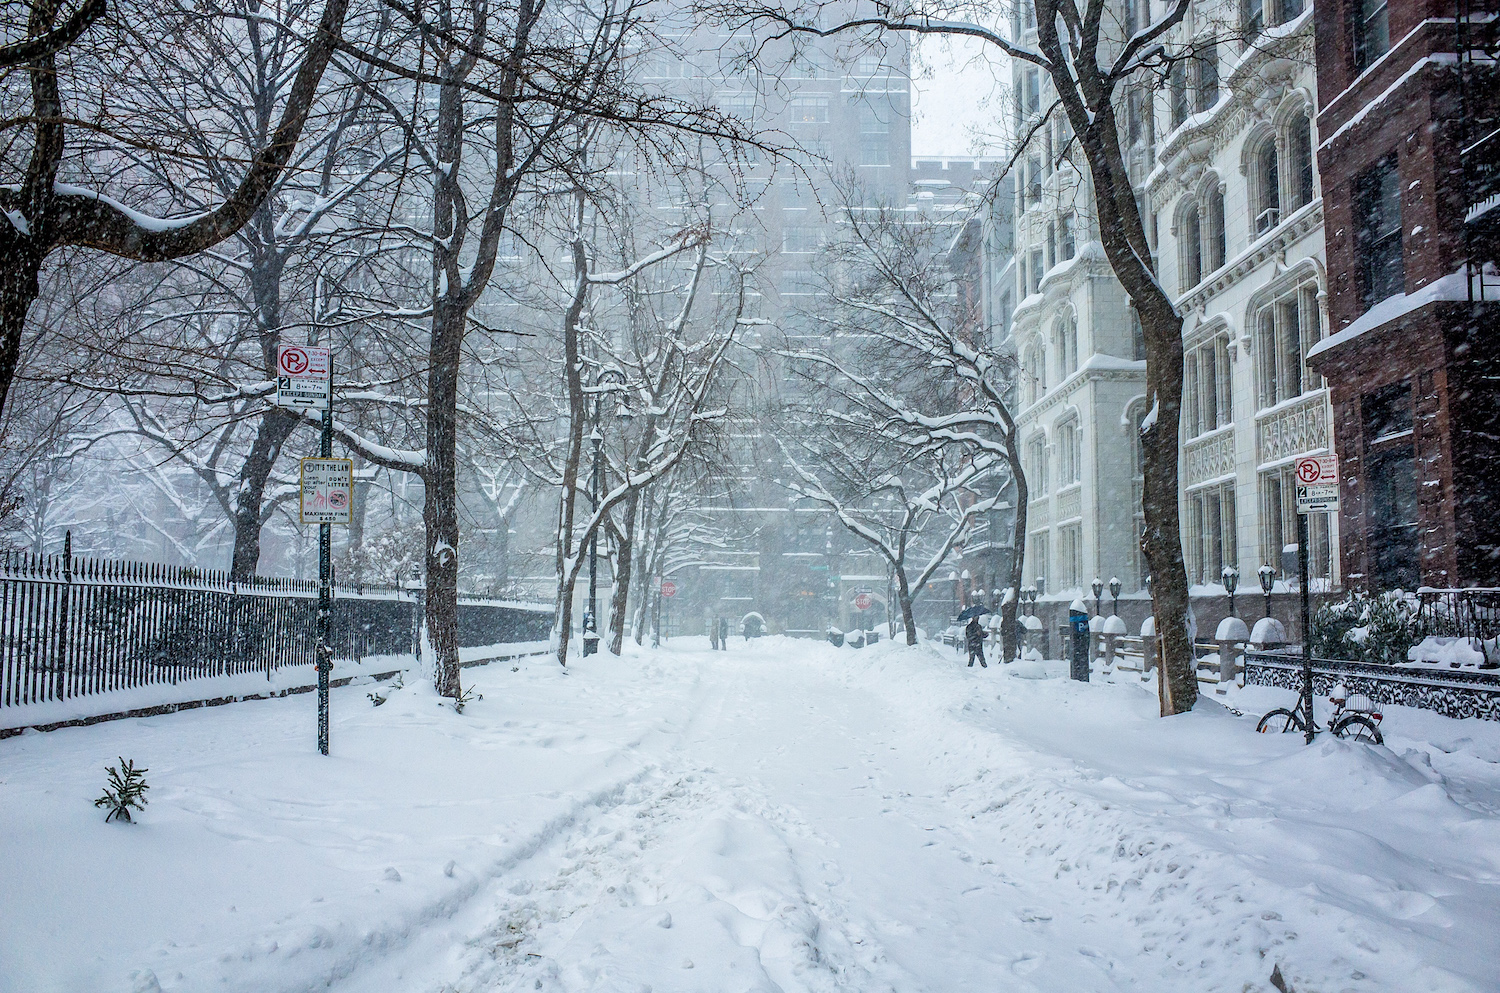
974	642
724	633
713	634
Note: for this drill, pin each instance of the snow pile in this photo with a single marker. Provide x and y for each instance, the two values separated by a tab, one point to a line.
1452	653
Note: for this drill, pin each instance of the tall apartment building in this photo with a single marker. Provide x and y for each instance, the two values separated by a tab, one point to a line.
1223	159
1410	162
846	112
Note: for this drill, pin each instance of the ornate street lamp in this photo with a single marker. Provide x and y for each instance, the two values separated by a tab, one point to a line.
1114	591
591	619
1231	577
1267	583
1098	587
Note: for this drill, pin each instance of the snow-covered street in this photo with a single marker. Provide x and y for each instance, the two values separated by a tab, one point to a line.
782	816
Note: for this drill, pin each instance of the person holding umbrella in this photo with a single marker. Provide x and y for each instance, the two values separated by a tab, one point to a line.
974	634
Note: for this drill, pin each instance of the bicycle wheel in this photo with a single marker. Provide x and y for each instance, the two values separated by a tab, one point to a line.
1280	721
1358	727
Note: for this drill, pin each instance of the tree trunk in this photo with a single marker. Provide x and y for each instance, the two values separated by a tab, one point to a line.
272	432
624	552
1128	252
19	288
440	485
1010	641
903	594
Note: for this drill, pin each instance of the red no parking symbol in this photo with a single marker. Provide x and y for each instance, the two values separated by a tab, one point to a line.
293	360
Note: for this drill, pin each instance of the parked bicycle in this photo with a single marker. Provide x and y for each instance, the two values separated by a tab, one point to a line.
1354	716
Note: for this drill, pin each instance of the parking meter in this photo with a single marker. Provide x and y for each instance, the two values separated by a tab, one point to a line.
1078	620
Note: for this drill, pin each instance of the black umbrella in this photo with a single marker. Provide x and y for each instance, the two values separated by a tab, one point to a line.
974	611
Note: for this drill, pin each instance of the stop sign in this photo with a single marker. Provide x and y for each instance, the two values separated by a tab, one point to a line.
668	588
862	601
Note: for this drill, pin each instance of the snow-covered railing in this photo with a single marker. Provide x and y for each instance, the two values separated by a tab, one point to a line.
1452	692
72	627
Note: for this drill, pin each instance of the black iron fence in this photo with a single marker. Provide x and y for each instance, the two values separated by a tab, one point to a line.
1451	692
71	627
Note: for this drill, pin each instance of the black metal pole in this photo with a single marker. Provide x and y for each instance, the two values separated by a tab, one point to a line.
593	615
1307	675
325	583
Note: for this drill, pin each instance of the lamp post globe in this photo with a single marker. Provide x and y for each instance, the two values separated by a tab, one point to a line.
1098	587
1231	577
1267	584
1114	591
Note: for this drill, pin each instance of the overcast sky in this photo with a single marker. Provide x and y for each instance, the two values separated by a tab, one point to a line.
956	99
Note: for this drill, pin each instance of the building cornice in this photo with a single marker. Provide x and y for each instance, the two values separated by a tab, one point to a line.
1272	246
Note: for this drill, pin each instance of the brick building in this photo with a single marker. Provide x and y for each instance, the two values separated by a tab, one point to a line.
1407	98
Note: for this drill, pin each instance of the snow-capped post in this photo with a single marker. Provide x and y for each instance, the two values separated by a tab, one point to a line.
325	576
1307	680
1078	621
1317	491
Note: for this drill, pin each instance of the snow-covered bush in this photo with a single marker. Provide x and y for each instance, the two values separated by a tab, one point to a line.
126	789
1361	627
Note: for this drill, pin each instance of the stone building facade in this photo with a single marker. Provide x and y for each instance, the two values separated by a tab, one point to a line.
1223	157
1410	97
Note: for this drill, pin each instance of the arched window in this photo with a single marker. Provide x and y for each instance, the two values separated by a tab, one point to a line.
1034	367
1217	253
1036	465
1067	347
1285	329
1300	162
1069	453
1265	209
1190	249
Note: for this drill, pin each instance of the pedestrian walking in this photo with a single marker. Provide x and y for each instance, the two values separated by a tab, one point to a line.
974	642
724	633
713	633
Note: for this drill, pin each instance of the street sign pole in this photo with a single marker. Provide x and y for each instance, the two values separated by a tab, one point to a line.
325	583
1307	680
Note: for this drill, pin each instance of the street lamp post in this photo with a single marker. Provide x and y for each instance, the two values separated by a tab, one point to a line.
1098	587
591	619
1114	591
1267	583
1231	577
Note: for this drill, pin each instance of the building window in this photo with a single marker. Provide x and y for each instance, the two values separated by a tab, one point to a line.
1036	268
1265	210
1034	364
1138	130
1033	181
1032	92
1069	454
1377	236
1206	388
1284	330
1190	250
1070	556
1177	84
1069	246
1372	32
801	238
869	63
1037	548
874	150
1036	466
1278	527
1217	249
798	282
1300	168
871	121
1067	347
1051	244
1391	486
1252	19
1210	533
808	110
1206	77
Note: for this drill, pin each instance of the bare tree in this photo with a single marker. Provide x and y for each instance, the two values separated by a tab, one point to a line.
1088	55
45	214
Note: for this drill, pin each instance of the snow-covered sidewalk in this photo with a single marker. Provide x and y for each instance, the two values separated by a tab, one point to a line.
783	816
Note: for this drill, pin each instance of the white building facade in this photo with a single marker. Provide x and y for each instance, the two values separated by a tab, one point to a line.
1223	155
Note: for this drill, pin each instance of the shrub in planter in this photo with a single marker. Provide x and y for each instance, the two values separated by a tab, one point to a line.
1365	628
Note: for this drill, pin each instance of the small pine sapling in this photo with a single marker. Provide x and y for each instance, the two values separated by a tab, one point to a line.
464	698
126	788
